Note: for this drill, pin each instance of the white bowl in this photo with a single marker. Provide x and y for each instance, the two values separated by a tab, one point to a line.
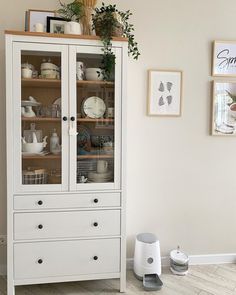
33	147
92	74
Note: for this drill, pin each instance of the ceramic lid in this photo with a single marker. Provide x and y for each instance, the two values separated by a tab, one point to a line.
179	257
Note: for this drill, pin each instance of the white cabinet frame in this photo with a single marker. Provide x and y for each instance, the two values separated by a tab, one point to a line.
16	76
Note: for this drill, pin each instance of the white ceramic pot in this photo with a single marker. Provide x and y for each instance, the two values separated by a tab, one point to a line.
73	28
33	147
92	74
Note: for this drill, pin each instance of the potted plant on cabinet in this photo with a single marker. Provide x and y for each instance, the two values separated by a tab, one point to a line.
109	22
72	12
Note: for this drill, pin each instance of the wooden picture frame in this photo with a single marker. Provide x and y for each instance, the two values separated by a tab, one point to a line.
165	93
224	59
34	16
223	121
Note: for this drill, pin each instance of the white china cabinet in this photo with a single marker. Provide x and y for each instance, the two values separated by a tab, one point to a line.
65	160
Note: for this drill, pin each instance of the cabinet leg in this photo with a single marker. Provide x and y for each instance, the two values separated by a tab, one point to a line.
10	289
123	284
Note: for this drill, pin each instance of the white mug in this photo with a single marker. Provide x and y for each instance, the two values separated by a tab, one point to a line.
39	27
80	72
26	73
102	166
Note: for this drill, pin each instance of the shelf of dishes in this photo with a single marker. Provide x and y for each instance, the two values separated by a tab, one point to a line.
58	157
49	71
53	83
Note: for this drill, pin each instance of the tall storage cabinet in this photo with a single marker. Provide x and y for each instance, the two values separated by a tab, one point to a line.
66	201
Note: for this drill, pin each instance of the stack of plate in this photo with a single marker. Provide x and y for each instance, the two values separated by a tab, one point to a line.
179	262
100	177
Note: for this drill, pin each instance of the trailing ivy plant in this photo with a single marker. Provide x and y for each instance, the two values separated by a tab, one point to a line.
72	11
108	21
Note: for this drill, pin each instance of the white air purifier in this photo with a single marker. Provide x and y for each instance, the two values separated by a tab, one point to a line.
147	256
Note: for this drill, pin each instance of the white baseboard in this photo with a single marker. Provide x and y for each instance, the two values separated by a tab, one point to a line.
197	259
3	270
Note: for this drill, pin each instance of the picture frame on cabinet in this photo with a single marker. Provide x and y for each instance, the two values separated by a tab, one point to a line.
164	93
56	25
224	59
224	108
36	19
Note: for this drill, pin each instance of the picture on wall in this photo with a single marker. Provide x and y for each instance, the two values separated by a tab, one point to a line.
224	59
224	108
164	93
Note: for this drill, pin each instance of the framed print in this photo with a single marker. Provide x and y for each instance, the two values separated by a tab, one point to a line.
164	93
36	17
224	59
224	108
56	25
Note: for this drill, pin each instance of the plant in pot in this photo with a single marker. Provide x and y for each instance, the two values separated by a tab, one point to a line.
109	22
72	12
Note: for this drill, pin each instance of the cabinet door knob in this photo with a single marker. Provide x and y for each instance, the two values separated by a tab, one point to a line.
40	226
95	258
64	118
95	224
72	119
40	261
40	202
95	200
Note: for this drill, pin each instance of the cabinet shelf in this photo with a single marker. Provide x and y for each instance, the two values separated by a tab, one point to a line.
36	119
88	120
50	83
57	157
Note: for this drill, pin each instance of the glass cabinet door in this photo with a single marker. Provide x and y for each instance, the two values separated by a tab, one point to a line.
40	81
95	121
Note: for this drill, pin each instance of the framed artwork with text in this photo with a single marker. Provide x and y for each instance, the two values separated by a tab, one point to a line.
224	59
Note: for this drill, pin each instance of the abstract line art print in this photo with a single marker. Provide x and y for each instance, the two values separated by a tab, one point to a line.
164	93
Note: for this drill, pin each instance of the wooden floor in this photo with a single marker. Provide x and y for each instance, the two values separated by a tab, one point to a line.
201	280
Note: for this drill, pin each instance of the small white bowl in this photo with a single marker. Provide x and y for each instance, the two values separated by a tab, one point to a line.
33	147
92	74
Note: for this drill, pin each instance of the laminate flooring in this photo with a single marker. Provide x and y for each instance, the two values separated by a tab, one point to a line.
201	280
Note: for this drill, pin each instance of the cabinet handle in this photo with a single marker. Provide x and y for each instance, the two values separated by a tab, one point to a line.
95	200
64	118
95	224
72	119
40	226
95	258
40	261
40	202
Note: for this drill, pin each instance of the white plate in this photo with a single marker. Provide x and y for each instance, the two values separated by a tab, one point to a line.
35	154
94	107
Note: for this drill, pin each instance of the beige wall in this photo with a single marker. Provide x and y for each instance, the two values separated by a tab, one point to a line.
181	181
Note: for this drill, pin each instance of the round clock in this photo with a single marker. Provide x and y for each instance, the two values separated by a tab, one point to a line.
94	107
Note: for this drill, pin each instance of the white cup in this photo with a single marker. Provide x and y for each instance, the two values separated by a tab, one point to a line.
80	72
26	73
39	27
102	166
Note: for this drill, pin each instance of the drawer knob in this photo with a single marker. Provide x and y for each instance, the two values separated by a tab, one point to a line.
95	258
40	226
95	201
95	224
40	202
40	261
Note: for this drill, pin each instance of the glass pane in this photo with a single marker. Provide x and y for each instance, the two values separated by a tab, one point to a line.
41	117
95	122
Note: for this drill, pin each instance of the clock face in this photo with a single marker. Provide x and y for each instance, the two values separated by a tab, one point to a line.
94	107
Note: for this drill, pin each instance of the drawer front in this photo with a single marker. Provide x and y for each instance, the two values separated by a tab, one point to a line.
39	202
64	258
47	225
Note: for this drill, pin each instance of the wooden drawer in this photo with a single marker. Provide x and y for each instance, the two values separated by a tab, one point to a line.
49	225
65	258
39	202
